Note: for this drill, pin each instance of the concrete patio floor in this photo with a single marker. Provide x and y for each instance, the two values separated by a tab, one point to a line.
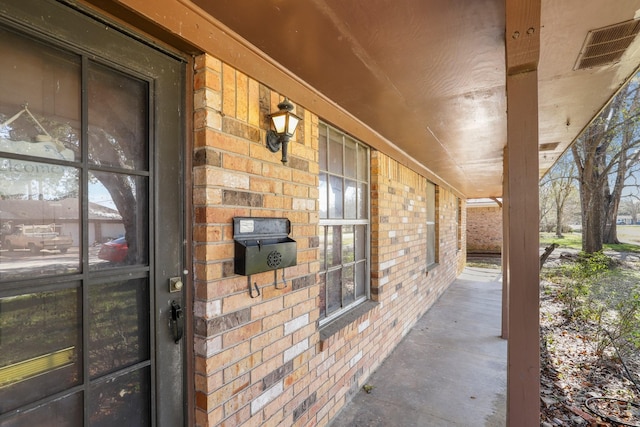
449	370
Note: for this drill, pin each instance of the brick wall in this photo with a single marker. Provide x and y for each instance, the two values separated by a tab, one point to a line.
266	361
484	229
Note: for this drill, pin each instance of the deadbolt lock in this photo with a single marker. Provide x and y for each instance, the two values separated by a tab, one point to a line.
175	284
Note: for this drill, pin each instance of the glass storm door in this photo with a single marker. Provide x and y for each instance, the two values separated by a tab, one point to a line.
90	223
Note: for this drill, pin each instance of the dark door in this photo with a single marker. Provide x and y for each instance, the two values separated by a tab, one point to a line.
91	229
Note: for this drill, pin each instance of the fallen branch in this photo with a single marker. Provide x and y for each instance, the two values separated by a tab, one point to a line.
547	252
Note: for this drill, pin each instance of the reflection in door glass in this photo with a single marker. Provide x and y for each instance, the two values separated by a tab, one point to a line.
39	219
40	347
65	412
118	119
123	401
40	99
118	325
118	219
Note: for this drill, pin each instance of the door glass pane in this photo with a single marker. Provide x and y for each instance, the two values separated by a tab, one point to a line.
40	346
118	325
65	412
47	82
39	219
123	401
118	119
118	220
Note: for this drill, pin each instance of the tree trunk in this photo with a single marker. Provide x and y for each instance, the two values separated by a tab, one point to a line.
592	202
559	220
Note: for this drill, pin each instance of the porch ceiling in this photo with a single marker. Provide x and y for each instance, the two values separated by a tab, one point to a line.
429	75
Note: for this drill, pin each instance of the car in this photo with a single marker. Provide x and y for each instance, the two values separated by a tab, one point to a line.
114	250
36	238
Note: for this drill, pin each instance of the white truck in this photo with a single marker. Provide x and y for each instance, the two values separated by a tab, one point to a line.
36	238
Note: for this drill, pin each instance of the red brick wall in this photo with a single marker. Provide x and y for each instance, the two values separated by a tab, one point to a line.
266	361
484	230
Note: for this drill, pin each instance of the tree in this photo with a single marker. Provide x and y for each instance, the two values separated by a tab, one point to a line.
605	154
559	185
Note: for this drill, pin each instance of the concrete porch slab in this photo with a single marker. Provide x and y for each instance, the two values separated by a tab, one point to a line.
449	370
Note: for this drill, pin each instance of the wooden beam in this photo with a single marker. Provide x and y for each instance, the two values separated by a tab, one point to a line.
522	35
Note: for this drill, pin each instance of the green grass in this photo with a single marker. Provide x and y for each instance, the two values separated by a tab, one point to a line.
574	241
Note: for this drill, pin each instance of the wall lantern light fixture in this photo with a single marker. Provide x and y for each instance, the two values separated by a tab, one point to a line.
284	124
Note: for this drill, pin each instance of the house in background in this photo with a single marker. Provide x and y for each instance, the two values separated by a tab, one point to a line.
405	110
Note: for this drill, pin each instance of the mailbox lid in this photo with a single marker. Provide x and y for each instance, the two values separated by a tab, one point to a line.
246	228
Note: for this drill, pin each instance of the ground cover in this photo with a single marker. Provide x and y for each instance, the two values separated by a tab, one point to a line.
590	340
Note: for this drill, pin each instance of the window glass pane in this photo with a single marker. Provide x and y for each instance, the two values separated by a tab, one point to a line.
118	119
350	198
334	246
361	279
348	244
431	243
334	292
335	197
350	158
124	401
47	81
41	346
335	152
363	201
40	219
431	202
61	412
322	246
322	189
360	242
118	219
322	147
348	285
323	293
363	163
118	325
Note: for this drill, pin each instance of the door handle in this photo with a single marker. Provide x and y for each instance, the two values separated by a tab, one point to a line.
177	321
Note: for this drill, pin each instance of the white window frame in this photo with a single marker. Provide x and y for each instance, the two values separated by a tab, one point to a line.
327	219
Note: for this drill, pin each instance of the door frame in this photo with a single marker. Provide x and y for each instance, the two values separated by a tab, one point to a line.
54	30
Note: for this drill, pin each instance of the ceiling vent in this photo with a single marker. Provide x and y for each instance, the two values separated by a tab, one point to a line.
607	45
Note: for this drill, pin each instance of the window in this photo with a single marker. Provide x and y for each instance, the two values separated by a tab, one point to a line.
344	222
432	229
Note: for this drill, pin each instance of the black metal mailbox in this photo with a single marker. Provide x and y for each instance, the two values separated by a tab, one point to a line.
262	244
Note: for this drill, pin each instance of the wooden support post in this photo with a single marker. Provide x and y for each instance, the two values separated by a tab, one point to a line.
522	45
505	246
523	356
